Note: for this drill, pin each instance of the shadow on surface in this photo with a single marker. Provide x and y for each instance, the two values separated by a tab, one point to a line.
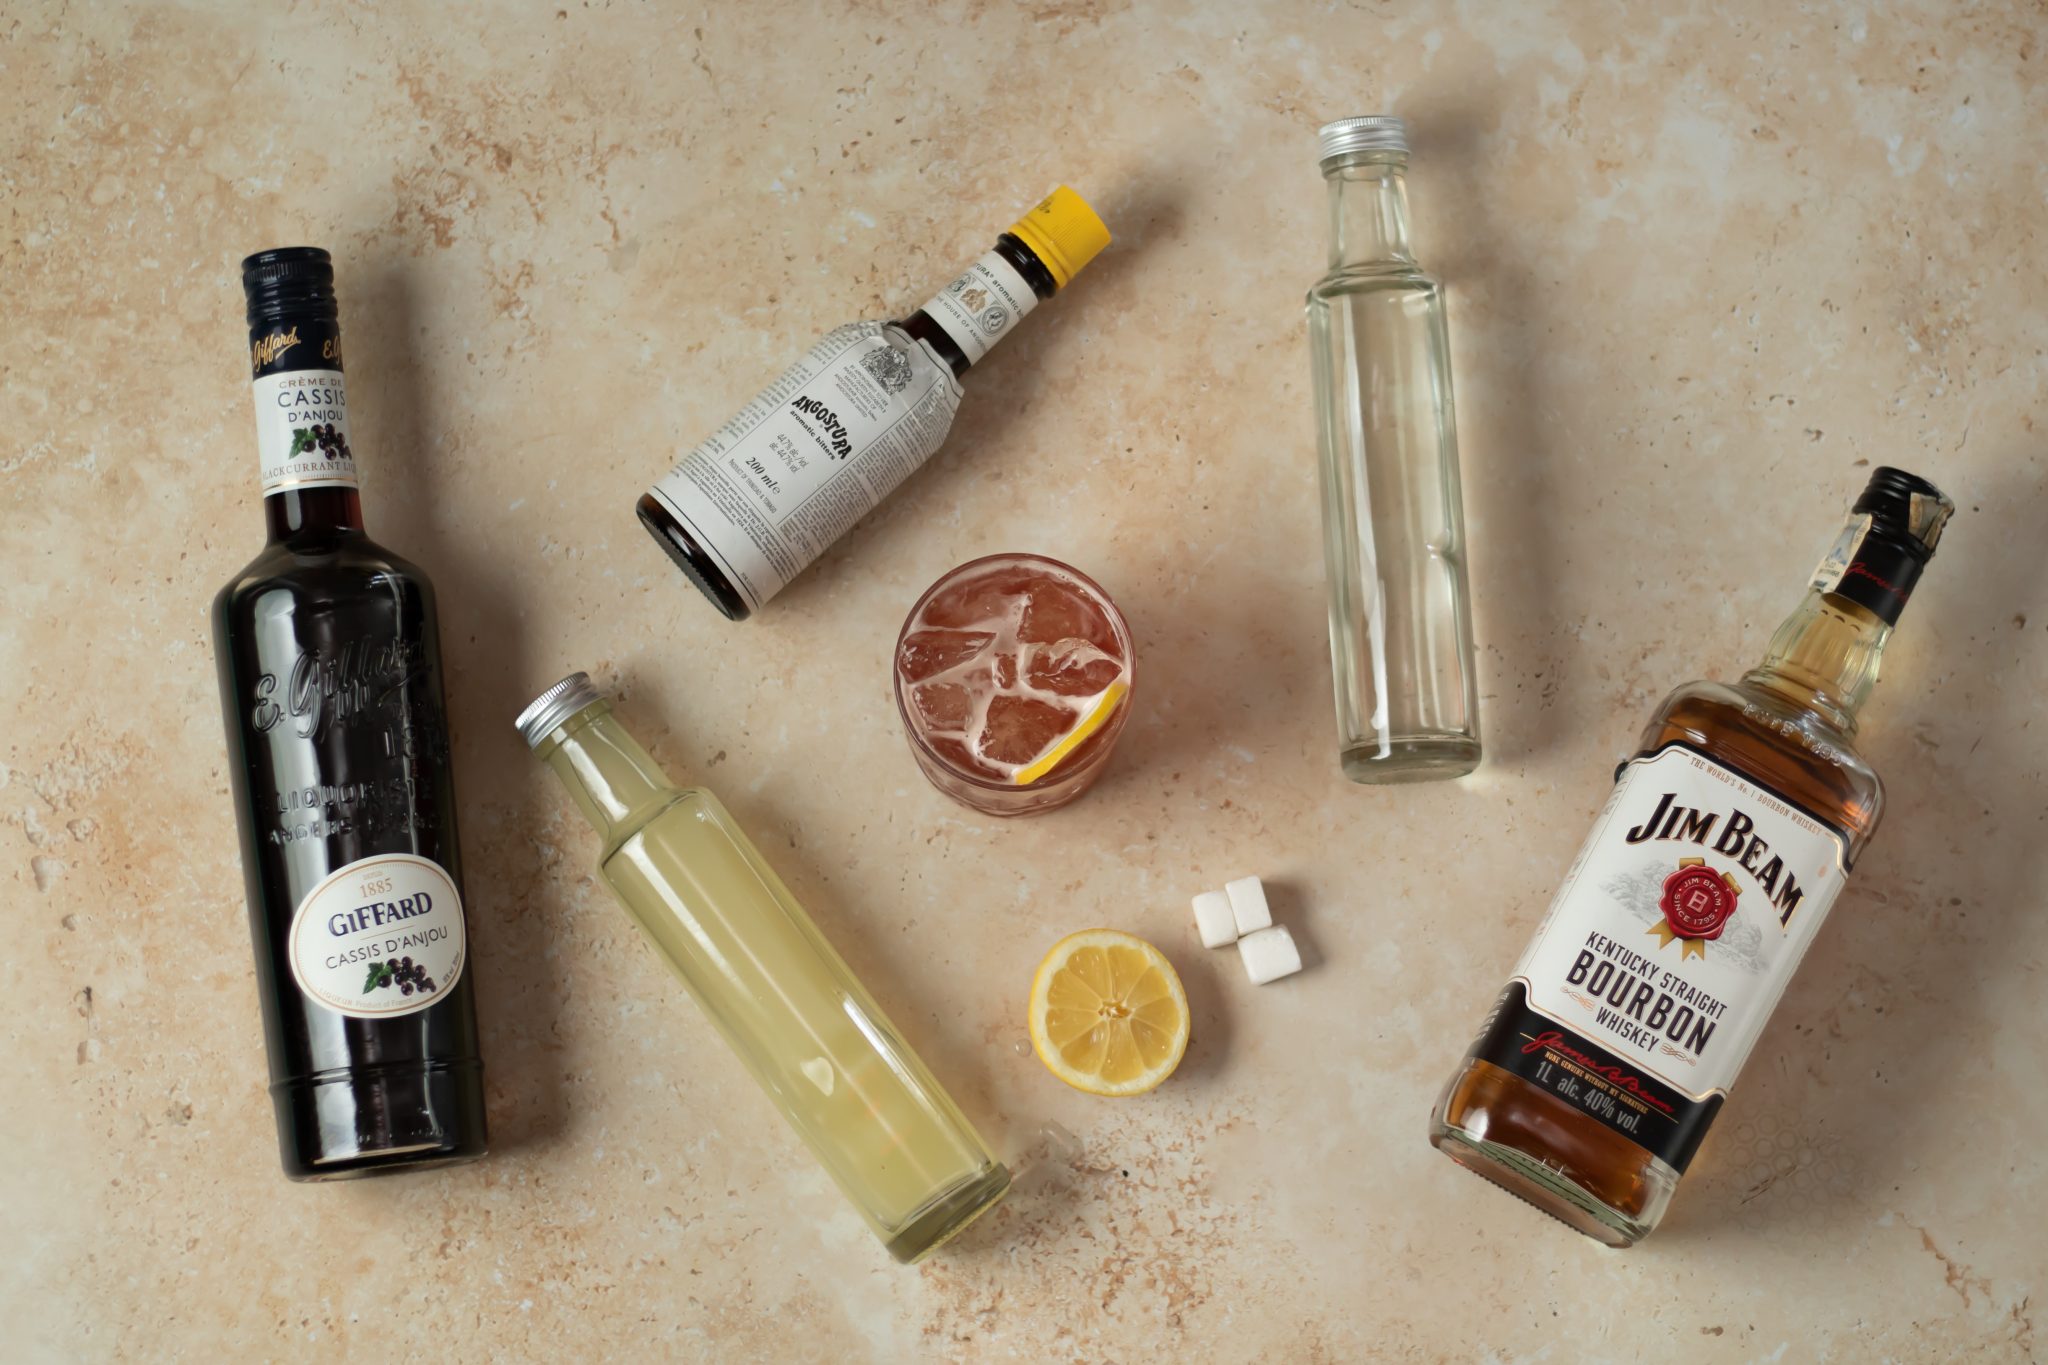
1209	1022
1517	511
1865	1074
486	667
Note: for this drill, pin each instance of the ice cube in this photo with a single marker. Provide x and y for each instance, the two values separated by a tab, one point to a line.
1057	611
927	653
1072	668
1019	729
982	600
942	707
953	750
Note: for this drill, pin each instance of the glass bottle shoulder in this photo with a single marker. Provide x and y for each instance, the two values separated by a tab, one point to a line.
336	567
1376	277
1777	743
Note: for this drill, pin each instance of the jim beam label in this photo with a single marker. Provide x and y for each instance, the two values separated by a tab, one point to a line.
301	407
812	454
982	304
382	936
1666	949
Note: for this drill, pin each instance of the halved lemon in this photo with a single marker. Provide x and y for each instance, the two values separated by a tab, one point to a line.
1098	716
1108	1014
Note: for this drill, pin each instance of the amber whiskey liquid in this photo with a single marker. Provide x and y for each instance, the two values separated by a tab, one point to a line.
1611	1051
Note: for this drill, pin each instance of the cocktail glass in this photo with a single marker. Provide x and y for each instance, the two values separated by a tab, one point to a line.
1013	676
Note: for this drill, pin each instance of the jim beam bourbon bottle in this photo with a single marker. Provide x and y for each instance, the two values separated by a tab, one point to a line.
1707	875
329	661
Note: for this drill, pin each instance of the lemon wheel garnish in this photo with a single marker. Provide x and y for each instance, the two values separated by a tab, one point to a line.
1097	717
1108	1014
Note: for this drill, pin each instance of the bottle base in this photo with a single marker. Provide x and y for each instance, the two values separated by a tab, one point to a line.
947	1216
690	557
380	1120
401	1161
1552	1191
1417	758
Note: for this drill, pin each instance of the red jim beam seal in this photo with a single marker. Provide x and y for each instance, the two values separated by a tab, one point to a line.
1697	904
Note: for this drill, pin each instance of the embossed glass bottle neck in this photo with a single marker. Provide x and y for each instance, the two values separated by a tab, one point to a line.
1368	210
616	784
1825	658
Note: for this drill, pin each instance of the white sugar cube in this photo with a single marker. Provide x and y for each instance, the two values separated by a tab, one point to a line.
1269	955
1213	918
1248	905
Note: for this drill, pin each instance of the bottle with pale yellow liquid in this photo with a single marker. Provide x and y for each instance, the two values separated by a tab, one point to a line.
811	1035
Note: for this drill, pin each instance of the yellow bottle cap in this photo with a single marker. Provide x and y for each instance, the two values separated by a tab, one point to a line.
1063	232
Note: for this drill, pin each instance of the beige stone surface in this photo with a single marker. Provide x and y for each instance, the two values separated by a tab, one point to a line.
1706	266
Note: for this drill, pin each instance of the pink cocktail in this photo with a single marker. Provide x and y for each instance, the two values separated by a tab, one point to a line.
1013	677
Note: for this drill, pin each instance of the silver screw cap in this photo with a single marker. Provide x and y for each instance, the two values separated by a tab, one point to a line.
554	706
1368	133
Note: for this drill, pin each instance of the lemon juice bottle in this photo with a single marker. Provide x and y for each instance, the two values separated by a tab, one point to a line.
803	1025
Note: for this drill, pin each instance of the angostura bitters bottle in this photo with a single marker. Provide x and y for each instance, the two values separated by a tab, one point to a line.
330	686
1726	839
794	469
817	1043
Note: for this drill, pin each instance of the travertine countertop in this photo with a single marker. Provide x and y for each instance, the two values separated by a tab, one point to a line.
1706	268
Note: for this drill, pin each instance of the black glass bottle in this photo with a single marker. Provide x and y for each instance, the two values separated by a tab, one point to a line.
330	683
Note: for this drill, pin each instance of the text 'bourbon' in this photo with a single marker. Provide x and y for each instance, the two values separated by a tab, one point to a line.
1706	877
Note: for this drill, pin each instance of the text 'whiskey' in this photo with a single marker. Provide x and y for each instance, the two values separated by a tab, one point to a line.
1703	883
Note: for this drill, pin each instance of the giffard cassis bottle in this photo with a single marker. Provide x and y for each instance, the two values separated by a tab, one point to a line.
330	686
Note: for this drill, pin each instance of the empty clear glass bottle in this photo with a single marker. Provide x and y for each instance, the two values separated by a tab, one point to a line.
725	924
1393	529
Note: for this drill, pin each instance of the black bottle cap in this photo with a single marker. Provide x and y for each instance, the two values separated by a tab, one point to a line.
1908	505
288	283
